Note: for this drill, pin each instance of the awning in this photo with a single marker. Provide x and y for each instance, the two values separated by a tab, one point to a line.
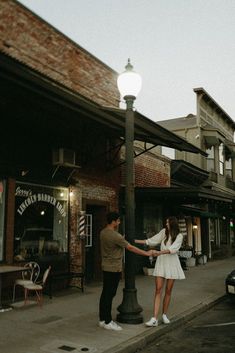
212	135
112	119
192	211
187	173
148	131
182	194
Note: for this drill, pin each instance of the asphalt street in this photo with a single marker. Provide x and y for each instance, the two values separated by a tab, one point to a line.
210	332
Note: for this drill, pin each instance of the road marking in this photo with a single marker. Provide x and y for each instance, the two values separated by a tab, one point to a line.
213	325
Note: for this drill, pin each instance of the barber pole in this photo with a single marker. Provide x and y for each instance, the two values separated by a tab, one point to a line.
81	225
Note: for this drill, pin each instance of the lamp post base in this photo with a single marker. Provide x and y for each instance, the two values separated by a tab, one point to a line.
129	310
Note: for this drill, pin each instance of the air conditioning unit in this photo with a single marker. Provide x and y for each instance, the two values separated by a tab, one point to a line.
63	156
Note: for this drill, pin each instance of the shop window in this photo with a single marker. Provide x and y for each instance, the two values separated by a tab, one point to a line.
2	216
41	221
212	233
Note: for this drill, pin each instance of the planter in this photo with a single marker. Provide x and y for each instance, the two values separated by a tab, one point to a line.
148	271
202	260
191	262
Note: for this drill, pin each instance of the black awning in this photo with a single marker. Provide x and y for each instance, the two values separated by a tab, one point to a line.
193	211
187	173
112	119
148	131
182	194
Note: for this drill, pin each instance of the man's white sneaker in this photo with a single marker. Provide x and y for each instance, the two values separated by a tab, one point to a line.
153	322
112	326
101	323
165	319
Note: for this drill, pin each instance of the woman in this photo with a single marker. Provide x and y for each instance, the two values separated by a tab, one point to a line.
167	267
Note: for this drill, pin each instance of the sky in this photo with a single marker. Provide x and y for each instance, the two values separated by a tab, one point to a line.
175	45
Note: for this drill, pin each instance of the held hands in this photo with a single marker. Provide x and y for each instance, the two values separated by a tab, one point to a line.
153	253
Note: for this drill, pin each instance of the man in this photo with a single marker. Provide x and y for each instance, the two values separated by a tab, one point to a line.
112	246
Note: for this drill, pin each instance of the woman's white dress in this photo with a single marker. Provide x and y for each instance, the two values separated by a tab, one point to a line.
167	265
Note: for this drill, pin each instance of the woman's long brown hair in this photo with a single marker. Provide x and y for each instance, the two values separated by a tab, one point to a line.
173	230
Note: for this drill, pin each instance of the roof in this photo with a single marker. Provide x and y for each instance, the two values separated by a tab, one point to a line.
188	121
112	119
214	104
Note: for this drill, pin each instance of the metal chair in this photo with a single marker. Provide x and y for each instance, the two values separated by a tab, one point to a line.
29	275
36	287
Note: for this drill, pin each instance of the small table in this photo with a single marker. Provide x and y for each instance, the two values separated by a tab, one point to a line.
3	270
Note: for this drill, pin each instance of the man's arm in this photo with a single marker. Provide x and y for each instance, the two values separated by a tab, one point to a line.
138	251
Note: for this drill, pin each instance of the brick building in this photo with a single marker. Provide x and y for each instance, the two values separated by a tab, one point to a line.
62	134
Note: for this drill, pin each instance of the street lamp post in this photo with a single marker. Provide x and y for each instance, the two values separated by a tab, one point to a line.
129	85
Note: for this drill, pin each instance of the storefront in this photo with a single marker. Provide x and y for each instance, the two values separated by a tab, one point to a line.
41	222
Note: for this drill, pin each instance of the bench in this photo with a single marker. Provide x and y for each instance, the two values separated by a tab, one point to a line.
65	276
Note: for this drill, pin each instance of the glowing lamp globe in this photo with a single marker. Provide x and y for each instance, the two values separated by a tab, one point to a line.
129	82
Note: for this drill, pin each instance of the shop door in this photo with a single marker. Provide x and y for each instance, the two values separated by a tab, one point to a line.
205	236
92	254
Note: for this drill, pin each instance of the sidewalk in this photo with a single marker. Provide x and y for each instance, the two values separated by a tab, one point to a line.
68	323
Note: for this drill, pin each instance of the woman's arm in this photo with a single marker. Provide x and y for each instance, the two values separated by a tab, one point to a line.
139	241
157	238
154	240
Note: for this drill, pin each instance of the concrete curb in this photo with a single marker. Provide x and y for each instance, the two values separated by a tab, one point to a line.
147	337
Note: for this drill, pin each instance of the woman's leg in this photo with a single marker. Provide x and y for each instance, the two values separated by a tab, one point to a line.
158	293
167	297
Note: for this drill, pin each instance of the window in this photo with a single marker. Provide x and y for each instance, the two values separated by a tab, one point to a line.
2	216
221	159
41	221
228	168
211	158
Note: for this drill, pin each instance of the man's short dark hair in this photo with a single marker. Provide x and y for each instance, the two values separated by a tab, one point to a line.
112	216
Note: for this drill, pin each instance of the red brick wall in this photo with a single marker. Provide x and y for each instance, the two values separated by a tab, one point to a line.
95	191
75	244
29	39
151	170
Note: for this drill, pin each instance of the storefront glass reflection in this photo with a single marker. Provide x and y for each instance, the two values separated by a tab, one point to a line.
41	221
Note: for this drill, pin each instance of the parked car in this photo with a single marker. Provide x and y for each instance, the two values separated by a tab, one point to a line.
230	284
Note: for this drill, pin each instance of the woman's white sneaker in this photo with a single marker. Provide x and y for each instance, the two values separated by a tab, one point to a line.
153	322
165	319
112	326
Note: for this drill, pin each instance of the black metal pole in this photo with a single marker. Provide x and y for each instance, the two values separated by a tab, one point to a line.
129	309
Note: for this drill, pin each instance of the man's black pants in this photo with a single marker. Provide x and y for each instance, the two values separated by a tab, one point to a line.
110	285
